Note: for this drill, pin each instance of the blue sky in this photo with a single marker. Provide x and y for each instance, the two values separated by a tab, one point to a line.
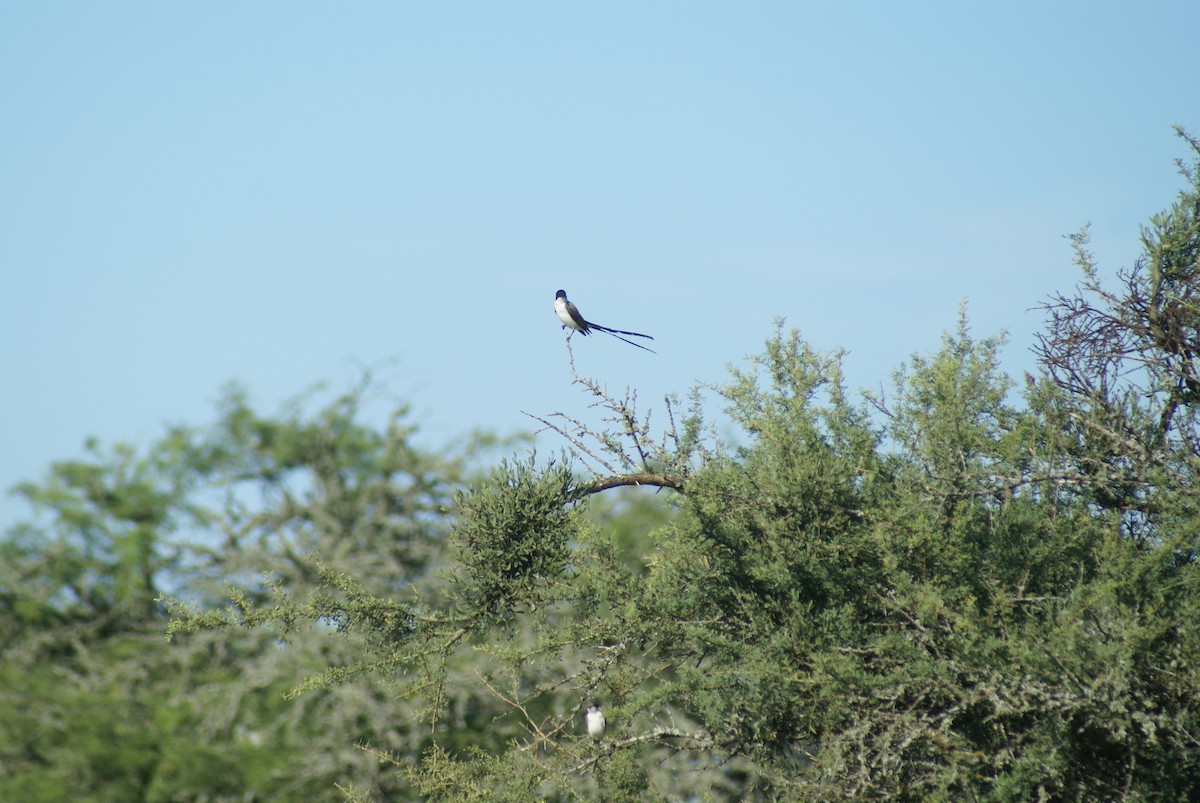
277	194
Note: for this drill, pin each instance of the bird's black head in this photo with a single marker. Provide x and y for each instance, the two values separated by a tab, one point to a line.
560	294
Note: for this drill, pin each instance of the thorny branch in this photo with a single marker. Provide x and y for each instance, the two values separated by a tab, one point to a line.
1139	346
1128	362
673	737
627	454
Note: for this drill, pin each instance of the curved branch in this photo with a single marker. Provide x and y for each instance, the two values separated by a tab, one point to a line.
688	740
644	478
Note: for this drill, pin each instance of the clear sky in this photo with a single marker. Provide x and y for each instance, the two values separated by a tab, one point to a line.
277	193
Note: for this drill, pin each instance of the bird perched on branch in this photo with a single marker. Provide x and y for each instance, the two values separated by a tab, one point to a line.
571	318
595	721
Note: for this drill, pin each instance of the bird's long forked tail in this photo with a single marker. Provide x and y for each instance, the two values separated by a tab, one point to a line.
618	332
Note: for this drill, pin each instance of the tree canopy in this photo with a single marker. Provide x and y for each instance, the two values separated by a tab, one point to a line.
960	588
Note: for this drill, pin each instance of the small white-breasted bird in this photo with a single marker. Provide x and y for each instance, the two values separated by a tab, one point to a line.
572	319
595	721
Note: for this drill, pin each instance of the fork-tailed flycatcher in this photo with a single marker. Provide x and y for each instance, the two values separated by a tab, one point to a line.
568	313
595	721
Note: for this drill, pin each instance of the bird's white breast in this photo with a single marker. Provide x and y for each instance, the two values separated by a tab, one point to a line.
560	309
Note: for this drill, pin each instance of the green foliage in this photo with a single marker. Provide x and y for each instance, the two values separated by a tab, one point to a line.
941	593
512	534
95	702
1123	379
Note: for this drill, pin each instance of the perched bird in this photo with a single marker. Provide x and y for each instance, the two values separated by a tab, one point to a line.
568	313
595	721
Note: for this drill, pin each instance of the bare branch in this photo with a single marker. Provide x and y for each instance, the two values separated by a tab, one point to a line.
576	442
627	454
674	737
658	480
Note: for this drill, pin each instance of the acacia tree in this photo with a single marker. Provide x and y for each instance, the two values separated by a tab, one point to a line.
935	594
1122	362
94	704
929	608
